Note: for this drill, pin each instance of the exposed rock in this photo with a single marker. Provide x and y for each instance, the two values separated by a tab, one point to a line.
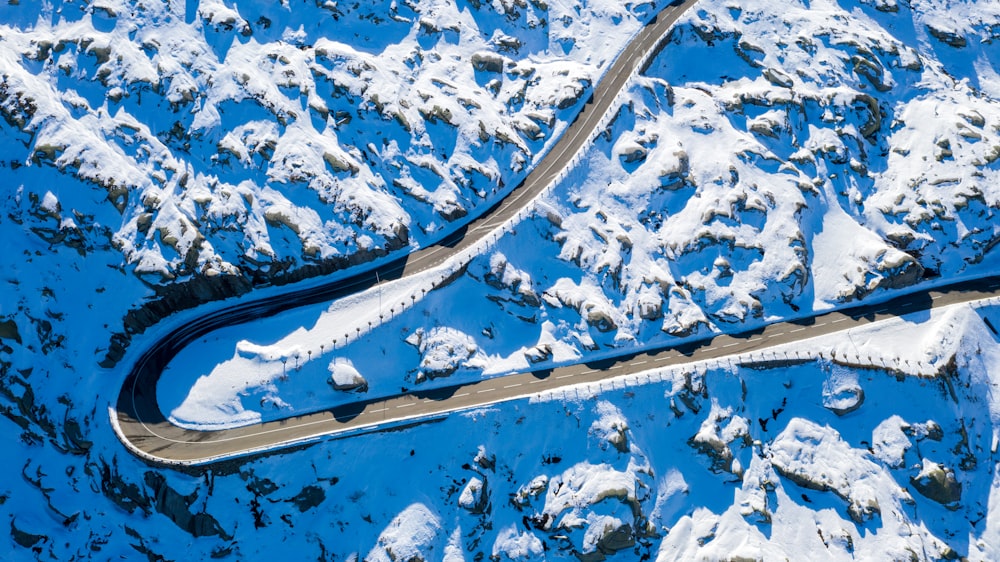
530	491
570	96
475	497
938	483
343	376
530	129
125	495
24	538
539	353
436	114
713	440
778	78
929	430
632	153
612	539
503	276
177	508
888	6
8	330
948	37
485	61
650	306
873	125
308	498
600	319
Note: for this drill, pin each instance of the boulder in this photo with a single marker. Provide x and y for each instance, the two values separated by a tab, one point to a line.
485	61
344	377
938	483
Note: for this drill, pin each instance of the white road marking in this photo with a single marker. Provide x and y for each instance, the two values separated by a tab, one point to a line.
640	362
796	330
732	344
407	405
536	381
485	390
377	411
461	395
513	385
564	376
841	320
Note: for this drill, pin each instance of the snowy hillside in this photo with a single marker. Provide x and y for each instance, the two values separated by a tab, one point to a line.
777	159
884	448
829	153
225	146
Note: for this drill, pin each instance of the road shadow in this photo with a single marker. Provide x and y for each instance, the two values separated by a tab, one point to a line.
747	334
542	374
454	238
810	321
605	364
436	394
348	412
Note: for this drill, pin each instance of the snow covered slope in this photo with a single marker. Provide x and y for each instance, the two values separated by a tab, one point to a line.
779	158
771	163
234	146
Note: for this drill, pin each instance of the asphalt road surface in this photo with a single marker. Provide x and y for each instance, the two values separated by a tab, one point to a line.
143	428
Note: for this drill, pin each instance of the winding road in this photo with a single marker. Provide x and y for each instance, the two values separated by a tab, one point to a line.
146	432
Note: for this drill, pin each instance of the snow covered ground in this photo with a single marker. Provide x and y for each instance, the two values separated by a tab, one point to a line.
779	158
244	145
843	457
834	185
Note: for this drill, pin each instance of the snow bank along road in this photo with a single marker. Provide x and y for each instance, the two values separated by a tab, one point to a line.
145	431
141	425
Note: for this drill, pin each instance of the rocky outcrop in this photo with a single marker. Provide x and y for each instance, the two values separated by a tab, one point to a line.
948	37
344	377
23	538
310	497
611	539
126	495
176	508
485	61
539	353
938	483
475	497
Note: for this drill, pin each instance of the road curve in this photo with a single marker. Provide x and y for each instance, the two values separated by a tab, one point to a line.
146	432
137	418
158	441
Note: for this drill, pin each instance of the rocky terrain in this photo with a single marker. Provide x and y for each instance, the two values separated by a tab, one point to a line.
834	185
843	454
218	148
776	159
